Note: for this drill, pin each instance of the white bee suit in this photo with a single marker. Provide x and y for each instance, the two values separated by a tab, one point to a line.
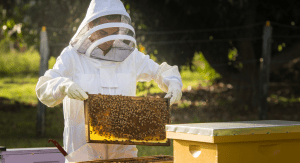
99	75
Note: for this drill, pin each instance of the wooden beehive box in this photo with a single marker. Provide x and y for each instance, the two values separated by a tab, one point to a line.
116	119
264	141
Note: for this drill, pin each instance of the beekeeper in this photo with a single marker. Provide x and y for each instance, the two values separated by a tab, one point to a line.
101	58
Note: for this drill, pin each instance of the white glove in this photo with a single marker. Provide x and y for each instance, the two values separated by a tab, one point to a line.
73	90
174	92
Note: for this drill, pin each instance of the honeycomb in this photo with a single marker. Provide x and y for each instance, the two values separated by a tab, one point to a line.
131	118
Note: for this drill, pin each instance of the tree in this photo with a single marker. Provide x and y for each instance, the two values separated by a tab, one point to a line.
61	18
176	15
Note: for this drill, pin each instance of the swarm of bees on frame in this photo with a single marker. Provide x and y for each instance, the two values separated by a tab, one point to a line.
123	117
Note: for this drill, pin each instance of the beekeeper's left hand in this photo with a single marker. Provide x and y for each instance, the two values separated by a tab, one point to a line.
174	92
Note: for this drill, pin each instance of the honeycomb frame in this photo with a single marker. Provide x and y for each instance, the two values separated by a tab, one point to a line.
120	113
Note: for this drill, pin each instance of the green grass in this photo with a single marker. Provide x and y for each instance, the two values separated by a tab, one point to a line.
15	63
12	142
20	89
18	127
19	75
155	150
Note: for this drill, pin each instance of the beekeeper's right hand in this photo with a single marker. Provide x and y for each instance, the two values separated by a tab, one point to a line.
73	90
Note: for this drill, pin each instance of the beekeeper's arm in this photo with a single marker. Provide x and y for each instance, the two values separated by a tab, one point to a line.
56	83
167	77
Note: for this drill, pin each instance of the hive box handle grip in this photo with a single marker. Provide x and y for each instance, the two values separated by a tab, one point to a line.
58	147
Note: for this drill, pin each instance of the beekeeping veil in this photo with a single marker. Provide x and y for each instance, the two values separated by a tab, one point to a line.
106	32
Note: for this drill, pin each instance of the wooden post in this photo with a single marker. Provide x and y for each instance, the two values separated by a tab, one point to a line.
265	71
44	54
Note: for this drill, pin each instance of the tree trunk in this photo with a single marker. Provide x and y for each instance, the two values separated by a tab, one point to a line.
243	73
245	83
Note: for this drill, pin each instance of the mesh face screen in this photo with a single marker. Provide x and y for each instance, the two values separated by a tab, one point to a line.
108	37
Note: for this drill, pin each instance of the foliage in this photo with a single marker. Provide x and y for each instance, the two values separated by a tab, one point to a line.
13	22
16	63
200	74
204	69
281	99
232	54
179	16
5	45
61	18
184	104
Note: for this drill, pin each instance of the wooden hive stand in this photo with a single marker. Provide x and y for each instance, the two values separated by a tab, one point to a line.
146	159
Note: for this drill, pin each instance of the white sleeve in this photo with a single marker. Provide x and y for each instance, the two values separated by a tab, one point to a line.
146	68
163	74
166	75
50	87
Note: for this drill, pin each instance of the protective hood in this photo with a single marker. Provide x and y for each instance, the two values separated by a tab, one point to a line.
106	32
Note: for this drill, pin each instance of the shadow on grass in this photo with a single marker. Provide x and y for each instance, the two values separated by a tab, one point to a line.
18	125
155	150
